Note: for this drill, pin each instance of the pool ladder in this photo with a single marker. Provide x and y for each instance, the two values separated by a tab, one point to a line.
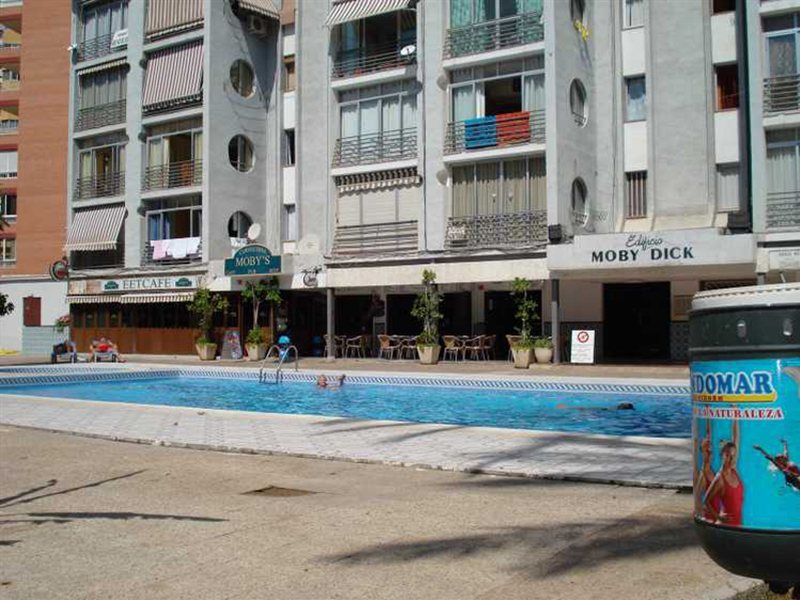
262	375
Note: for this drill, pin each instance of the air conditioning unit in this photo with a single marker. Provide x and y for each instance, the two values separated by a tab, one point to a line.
257	26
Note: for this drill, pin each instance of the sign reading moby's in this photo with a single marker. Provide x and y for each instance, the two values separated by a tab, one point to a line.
253	260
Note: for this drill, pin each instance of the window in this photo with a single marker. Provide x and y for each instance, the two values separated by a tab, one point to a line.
8	207
636	194
577	102
289	223
101	172
238	225
728	193
288	148
240	153
721	6
8	251
8	164
289	75
635	99
508	187
632	13
242	78
377	109
103	87
98	25
174	218
174	156
781	37
467	12
727	78
578	198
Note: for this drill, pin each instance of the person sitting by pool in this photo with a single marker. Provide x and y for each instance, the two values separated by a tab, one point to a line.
322	381
67	347
104	346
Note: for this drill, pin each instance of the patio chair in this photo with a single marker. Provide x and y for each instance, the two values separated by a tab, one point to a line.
488	346
64	351
354	346
473	348
408	347
388	346
512	340
338	345
452	346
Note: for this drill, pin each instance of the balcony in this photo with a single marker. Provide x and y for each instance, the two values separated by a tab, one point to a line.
783	211
499	34
516	230
387	146
102	186
177	251
173	175
379	238
9	127
100	116
102	45
498	131
373	59
781	94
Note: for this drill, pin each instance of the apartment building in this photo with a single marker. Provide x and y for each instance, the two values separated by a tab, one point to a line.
34	102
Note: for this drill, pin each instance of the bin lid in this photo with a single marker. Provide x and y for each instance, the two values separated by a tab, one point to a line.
780	294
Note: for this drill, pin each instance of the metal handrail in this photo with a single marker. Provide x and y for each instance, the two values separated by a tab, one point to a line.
510	129
781	94
100	186
97	47
507	32
175	174
100	116
383	146
360	61
520	229
783	210
281	359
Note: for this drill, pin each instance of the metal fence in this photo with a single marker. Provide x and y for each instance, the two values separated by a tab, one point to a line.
361	61
521	29
781	94
372	148
111	184
519	230
97	47
783	210
100	116
176	174
496	131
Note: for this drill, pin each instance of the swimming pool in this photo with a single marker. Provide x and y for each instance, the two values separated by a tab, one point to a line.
570	409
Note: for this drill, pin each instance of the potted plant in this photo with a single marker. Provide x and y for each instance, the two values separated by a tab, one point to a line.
522	349
543	349
62	323
426	309
203	306
263	290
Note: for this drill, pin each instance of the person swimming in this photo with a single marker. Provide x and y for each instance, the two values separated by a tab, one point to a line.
324	382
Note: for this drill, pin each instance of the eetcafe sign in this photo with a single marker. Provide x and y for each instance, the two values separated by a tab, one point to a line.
670	249
147	284
253	259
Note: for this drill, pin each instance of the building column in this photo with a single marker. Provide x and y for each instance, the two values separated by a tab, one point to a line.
555	321
331	346
761	278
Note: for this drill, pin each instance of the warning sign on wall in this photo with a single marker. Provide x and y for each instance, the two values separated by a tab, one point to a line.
582	347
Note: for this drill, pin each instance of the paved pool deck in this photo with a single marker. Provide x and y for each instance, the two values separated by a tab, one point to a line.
639	461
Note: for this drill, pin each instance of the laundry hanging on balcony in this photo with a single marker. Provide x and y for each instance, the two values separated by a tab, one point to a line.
345	11
513	128
95	229
174	77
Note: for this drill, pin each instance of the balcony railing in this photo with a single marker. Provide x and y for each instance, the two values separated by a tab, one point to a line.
379	238
9	85
102	186
497	131
100	116
361	61
172	175
100	46
9	126
153	255
781	94
783	210
518	230
372	148
521	29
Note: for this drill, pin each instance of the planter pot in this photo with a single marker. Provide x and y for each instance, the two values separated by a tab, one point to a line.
206	351
543	355
256	351
522	357
428	355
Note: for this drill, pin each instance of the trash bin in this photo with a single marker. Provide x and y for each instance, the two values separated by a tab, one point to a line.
744	346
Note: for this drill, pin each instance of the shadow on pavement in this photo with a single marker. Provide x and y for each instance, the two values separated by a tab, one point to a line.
15	500
123	516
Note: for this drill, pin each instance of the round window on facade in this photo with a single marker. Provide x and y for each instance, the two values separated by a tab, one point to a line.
242	78
238	224
579	208
240	153
577	102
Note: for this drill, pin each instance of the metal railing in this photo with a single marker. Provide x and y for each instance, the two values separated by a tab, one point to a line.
372	148
360	61
101	186
497	131
9	85
176	174
526	28
783	210
4	45
519	230
379	238
147	257
100	116
9	126
781	94
97	47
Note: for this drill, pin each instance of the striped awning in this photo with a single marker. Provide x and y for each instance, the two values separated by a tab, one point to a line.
168	16
174	76
264	8
95	229
131	298
104	67
353	10
378	180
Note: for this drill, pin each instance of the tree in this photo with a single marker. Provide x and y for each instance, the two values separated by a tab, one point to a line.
426	309
6	307
526	311
263	290
203	306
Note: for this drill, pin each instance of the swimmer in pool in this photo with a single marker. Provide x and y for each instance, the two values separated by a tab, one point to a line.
322	381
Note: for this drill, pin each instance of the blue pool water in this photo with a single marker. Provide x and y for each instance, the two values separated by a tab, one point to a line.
657	416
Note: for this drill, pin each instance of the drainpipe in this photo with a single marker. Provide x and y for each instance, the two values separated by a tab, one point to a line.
331	343
555	321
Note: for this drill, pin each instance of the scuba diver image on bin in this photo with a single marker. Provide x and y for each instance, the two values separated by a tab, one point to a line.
783	464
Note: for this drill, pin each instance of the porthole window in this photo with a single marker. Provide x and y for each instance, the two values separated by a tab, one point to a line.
242	78
579	212
238	224
240	153
577	102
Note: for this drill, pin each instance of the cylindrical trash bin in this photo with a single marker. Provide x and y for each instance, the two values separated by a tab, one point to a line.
744	346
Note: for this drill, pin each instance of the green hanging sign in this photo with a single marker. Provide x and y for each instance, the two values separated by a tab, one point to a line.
253	260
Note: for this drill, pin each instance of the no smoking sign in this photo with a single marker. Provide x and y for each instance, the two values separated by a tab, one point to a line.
582	348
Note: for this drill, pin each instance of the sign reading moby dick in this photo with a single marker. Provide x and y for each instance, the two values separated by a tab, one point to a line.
253	260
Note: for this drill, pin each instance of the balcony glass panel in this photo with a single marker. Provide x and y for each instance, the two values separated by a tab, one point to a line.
485	25
378	43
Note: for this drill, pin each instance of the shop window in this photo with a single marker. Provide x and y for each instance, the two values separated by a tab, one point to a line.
238	225
636	194
77	317
242	78
727	78
635	99
240	153
721	6
577	102
102	316
289	74
113	316
91	318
